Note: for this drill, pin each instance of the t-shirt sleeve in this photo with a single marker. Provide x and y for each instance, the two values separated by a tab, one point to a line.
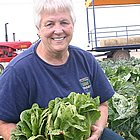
13	95
100	83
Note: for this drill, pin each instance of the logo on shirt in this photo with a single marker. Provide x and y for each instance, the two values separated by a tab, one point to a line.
85	82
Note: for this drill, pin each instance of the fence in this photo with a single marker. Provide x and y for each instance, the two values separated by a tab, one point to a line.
112	33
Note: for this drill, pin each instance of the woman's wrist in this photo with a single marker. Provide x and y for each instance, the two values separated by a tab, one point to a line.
100	129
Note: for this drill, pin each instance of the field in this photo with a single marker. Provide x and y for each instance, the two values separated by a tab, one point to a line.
124	106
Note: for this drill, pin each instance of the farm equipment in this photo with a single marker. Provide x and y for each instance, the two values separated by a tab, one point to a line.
114	42
8	50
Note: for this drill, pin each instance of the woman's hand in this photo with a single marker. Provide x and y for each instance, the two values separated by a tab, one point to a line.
5	129
95	132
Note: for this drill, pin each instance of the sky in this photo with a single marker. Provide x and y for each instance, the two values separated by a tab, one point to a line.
19	16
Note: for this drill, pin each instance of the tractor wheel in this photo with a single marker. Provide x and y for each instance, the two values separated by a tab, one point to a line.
121	55
1	68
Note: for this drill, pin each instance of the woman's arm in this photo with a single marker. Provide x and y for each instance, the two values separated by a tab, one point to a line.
5	129
99	125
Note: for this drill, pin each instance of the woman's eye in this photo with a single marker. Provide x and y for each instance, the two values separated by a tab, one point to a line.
64	22
49	24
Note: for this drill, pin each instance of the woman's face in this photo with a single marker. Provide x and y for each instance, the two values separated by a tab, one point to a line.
56	30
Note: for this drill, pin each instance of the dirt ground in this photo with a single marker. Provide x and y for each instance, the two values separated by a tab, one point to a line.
135	54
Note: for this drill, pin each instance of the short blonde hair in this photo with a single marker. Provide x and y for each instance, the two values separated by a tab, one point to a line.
51	6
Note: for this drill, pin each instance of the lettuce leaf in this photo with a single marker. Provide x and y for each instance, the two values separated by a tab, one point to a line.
69	118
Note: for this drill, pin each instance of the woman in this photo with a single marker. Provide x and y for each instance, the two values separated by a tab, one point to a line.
52	68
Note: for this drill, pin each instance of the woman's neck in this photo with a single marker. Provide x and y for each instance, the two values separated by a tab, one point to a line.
58	58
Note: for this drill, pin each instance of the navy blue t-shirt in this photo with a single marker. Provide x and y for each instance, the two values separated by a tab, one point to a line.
28	79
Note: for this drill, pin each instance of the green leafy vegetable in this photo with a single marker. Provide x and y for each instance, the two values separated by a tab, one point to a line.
69	118
124	106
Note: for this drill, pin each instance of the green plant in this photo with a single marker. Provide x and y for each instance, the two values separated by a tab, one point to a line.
69	118
124	106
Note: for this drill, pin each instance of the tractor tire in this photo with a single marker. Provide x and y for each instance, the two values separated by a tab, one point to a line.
121	55
1	68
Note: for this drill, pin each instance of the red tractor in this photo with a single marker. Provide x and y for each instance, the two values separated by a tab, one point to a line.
8	50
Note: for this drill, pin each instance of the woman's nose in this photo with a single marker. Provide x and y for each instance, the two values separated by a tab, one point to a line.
58	29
